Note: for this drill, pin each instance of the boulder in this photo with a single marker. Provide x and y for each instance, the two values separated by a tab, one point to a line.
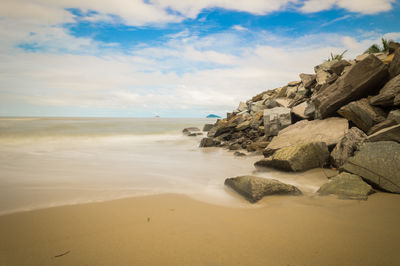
308	80
281	92
392	46
361	57
235	147
276	119
387	134
339	66
255	146
363	78
208	142
346	147
346	186
283	102
259	97
270	103
257	106
389	95
239	154
207	127
221	128
362	114
323	77
392	120
394	67
294	83
378	164
310	110
326	66
242	107
299	110
291	92
330	131
254	188
242	126
298	157
189	131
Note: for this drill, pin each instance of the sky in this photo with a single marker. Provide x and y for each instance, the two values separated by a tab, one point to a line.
172	58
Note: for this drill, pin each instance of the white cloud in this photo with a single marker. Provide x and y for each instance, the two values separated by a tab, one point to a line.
239	28
358	6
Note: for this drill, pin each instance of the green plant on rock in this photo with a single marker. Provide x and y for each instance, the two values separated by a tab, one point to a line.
336	56
375	48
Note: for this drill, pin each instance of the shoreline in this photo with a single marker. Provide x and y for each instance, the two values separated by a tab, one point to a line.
174	229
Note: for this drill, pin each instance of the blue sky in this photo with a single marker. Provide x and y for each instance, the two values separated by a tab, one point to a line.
168	57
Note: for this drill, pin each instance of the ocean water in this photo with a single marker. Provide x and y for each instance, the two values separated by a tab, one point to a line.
58	161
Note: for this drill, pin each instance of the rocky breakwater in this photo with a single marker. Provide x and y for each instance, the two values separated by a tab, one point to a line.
345	115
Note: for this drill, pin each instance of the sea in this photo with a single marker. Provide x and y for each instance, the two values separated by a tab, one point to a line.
46	162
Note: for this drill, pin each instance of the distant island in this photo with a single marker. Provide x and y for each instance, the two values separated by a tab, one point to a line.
213	116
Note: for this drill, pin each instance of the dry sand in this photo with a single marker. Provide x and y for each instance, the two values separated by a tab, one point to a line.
177	230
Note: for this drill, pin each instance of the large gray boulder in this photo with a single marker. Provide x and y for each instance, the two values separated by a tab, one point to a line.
378	164
221	128
299	157
362	114
330	131
254	188
347	186
387	134
363	78
394	68
346	147
389	94
276	119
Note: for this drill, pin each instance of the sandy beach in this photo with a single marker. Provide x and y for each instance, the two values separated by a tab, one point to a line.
176	230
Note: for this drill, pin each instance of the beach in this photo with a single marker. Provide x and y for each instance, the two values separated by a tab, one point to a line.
111	192
176	230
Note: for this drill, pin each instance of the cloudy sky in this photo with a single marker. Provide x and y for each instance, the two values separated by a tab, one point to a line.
175	58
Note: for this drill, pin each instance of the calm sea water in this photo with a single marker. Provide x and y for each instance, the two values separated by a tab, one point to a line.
56	161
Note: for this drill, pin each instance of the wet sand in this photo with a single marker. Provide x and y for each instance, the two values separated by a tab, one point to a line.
177	230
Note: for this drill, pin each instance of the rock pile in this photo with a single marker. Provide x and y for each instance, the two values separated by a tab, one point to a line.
346	115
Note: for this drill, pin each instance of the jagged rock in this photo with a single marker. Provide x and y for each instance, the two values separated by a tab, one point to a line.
207	127
347	186
392	120
294	83
208	142
239	154
189	131
350	142
378	164
259	97
381	56
243	125
259	145
310	110
194	134
276	119
361	57
394	68
221	129
298	157
308	80
362	114
363	78
301	90
291	92
257	106
393	46
300	109
242	107
283	102
330	131
281	92
339	66
387	134
323	77
389	94
254	188
235	146
325	66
